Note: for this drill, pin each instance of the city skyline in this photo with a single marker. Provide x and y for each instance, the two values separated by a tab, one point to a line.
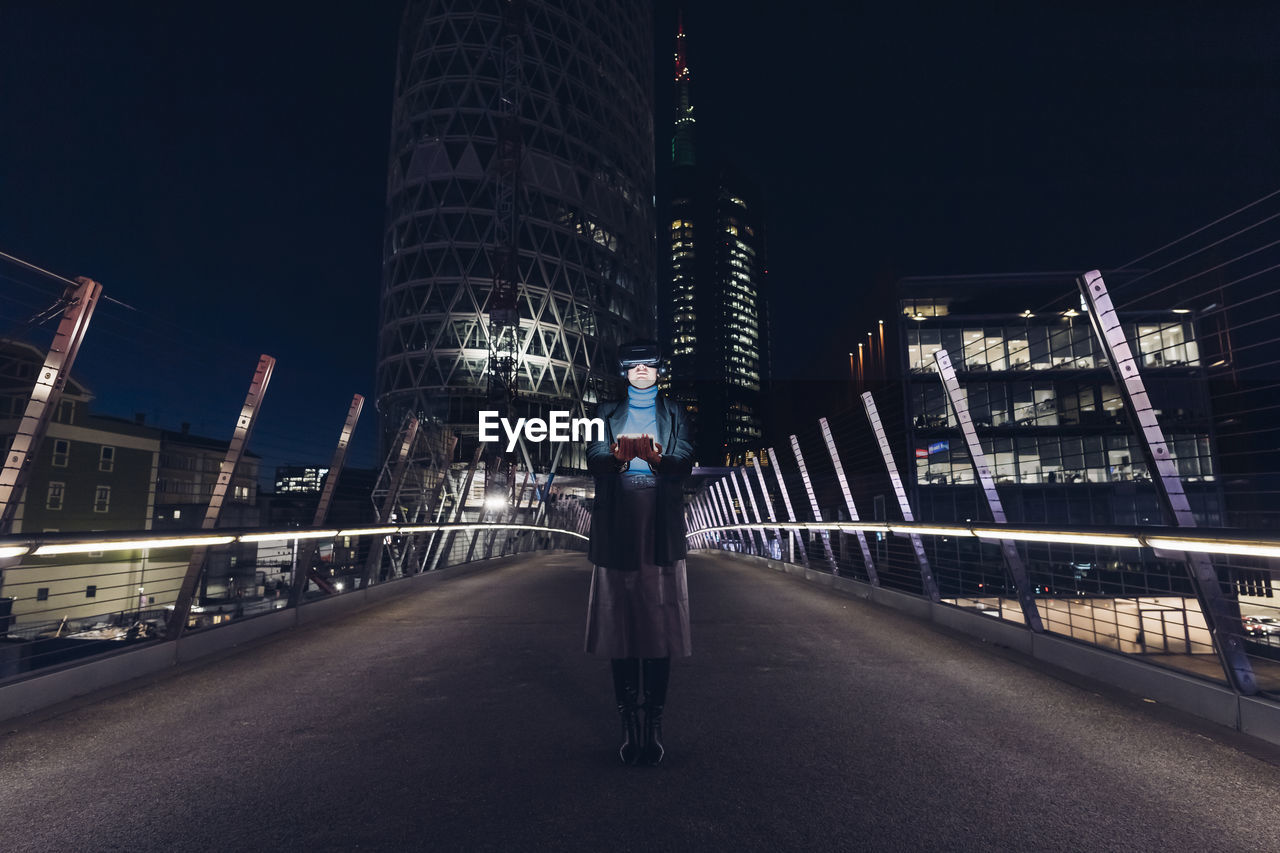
231	200
979	526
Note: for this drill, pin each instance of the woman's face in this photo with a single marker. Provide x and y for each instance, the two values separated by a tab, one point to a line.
642	376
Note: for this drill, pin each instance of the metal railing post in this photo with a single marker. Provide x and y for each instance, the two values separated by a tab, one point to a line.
45	395
730	516
691	523
1222	617
244	427
713	502
43	401
306	548
710	539
813	504
927	580
960	405
738	491
791	514
848	501
717	503
755	509
768	502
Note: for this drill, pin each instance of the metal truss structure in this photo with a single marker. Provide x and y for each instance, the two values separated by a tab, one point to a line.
410	490
583	271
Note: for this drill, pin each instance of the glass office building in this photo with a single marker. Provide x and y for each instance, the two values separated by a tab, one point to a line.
715	315
1051	422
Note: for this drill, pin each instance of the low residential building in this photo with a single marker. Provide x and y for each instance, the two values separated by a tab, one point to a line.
90	474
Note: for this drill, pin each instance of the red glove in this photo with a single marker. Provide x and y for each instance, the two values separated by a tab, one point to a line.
650	452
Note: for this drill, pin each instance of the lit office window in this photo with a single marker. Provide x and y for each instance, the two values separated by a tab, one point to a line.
1166	345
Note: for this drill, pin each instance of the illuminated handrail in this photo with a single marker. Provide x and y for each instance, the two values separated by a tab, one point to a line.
51	545
1161	538
1165	539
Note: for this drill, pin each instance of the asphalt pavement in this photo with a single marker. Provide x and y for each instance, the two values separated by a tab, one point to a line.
465	716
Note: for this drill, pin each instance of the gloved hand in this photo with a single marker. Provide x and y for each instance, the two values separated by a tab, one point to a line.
650	452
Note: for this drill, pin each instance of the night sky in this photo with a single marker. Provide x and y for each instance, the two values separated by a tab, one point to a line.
221	168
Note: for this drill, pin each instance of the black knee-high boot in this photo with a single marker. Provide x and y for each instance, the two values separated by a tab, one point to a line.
626	689
657	674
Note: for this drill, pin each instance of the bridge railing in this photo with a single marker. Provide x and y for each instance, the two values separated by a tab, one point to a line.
71	596
1133	589
1152	614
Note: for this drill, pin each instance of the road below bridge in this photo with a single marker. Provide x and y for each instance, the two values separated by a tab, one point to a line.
466	717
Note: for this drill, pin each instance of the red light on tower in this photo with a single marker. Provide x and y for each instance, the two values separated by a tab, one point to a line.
682	65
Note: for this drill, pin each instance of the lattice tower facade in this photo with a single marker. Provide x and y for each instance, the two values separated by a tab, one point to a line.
585	227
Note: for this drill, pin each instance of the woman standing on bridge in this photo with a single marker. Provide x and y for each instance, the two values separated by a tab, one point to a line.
638	609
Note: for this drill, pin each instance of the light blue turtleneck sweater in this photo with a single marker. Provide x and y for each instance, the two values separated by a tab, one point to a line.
642	419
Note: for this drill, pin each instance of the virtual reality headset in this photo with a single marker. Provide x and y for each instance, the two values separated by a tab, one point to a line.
638	353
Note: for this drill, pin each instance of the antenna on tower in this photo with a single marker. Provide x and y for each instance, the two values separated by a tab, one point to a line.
504	313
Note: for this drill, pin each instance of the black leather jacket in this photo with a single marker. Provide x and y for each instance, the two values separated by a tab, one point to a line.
677	461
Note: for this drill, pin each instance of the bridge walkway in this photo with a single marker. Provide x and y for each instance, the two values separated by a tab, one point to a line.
466	717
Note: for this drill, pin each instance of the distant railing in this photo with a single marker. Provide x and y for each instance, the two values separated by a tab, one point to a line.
67	596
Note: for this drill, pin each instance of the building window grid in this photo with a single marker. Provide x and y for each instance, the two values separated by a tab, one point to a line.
1055	459
1042	347
61	452
1041	459
1048	505
1044	459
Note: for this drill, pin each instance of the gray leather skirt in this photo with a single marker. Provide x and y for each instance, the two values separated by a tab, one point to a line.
643	613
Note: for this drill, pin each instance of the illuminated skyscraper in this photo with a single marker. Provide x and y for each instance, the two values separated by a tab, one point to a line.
520	129
715	314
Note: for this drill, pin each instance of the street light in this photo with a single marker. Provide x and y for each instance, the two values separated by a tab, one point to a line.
882	358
